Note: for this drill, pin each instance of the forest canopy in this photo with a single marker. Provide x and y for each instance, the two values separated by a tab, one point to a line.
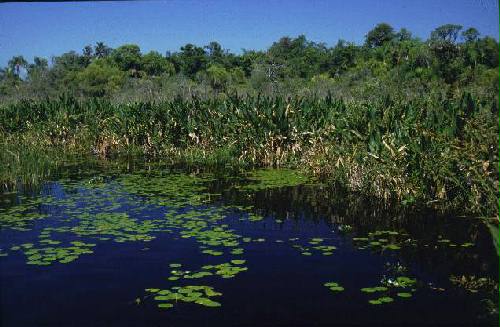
389	62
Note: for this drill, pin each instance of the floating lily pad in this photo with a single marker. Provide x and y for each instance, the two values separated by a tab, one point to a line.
207	303
198	294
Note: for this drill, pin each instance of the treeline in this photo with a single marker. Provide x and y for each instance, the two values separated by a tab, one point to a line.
452	60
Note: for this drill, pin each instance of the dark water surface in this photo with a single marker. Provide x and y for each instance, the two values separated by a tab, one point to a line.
133	230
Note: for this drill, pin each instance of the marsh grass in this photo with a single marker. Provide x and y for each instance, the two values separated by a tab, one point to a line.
437	153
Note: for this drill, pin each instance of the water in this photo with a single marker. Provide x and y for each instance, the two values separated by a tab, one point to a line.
140	232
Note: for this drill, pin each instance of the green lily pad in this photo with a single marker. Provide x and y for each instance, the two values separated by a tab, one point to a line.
208	303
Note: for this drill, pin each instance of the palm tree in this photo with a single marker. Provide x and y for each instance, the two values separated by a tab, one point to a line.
101	50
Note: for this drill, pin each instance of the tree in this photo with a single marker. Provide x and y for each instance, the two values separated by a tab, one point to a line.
470	35
191	60
101	50
381	34
99	79
446	33
215	52
154	64
259	78
282	49
38	65
248	60
341	58
470	48
442	44
87	54
403	35
68	61
41	62
38	78
488	51
237	75
218	77
298	56
62	75
128	58
419	57
88	51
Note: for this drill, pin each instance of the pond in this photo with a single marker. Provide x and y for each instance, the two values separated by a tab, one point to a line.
151	245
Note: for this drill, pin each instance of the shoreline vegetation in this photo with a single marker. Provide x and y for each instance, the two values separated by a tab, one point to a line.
444	159
399	118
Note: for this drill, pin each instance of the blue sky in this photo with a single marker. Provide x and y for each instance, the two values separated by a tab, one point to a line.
47	29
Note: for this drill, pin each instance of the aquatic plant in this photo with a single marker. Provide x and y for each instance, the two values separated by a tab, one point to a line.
48	255
199	294
399	286
263	179
423	151
334	287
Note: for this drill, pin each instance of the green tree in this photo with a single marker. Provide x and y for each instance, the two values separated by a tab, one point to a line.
249	59
403	35
298	57
39	64
446	51
9	83
154	64
378	36
470	35
101	50
87	54
446	33
62	75
128	58
340	58
100	79
488	51
38	74
191	60
237	75
215	53
68	61
218	77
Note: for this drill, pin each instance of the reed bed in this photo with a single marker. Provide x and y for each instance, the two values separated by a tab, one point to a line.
437	153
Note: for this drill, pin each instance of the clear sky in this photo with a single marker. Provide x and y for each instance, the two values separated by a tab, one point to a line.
47	29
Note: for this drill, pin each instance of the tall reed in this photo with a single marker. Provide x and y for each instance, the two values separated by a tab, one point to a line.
442	153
